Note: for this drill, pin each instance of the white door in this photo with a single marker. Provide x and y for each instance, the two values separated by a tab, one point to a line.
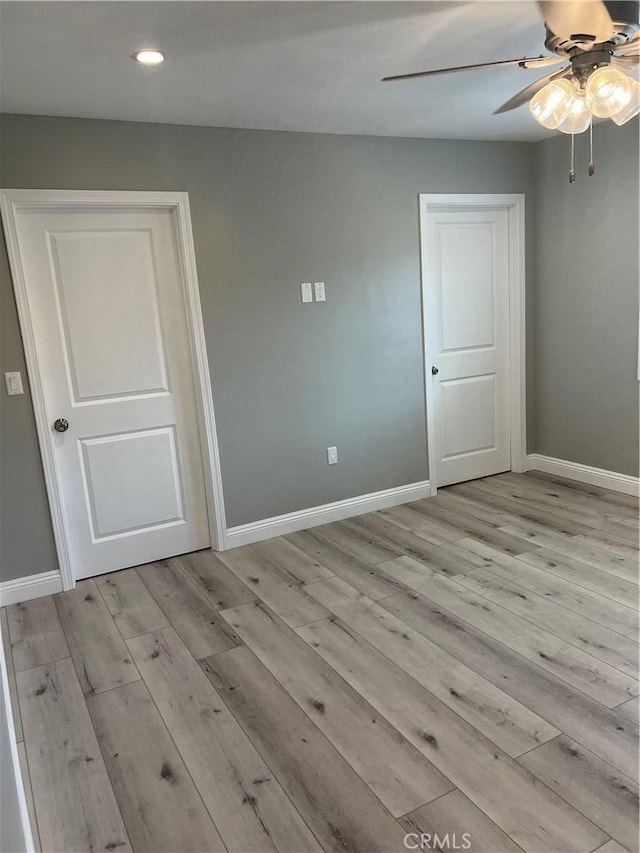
467	342
107	310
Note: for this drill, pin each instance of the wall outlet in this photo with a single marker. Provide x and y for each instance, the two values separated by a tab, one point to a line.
305	291
318	288
332	455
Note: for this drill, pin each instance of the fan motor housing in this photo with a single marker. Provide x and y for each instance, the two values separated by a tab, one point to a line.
584	62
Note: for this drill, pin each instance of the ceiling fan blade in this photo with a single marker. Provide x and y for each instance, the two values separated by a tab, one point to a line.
527	93
525	62
578	20
625	61
542	61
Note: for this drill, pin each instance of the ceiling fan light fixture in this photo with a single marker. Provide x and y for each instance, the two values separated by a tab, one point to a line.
579	117
608	91
550	106
632	108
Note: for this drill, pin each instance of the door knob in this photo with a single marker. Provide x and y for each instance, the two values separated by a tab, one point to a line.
61	425
434	371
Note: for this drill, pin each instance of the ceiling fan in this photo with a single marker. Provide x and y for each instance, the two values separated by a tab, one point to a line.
598	41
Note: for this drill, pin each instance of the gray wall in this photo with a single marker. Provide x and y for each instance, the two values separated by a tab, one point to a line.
26	539
587	301
271	210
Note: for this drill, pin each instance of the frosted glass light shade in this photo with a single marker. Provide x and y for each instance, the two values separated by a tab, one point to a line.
579	117
608	92
632	108
550	106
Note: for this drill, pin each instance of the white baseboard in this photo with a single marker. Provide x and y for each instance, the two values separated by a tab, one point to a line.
584	474
33	586
280	525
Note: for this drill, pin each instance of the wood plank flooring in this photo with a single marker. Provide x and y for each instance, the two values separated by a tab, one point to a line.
465	666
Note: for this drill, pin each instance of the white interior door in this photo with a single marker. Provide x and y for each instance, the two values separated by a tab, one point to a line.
467	342
107	308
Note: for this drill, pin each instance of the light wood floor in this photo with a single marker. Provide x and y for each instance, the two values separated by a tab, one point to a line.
465	664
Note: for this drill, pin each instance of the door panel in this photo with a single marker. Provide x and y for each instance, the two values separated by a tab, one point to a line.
108	311
132	481
110	275
467	310
468	408
466	285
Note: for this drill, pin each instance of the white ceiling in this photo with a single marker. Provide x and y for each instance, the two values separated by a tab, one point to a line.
305	66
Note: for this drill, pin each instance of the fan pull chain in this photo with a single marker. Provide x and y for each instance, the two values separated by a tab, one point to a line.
592	165
572	171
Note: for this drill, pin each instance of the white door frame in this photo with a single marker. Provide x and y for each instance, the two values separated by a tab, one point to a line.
12	202
514	205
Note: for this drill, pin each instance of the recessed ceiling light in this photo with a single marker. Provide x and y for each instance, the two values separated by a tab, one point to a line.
148	57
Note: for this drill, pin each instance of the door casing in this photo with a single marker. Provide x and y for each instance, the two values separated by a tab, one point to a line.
514	205
12	202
